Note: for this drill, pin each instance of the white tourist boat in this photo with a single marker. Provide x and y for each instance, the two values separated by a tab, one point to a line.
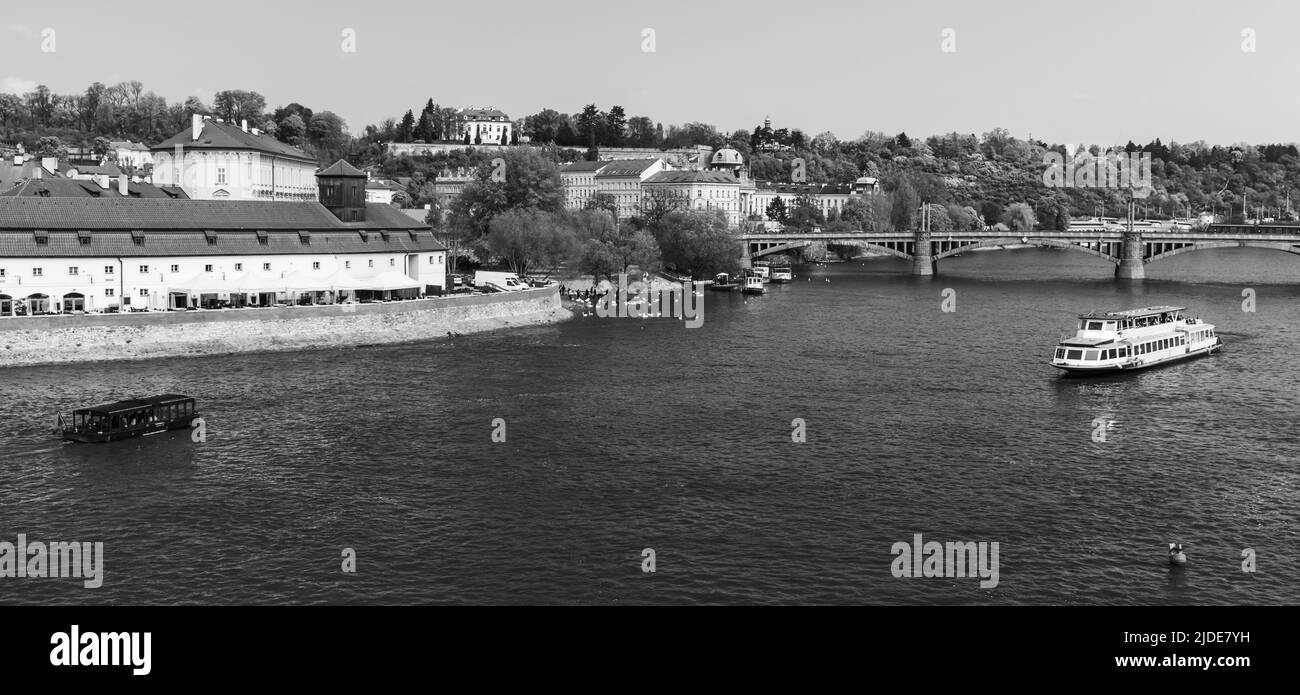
763	271
754	284
782	273
1120	341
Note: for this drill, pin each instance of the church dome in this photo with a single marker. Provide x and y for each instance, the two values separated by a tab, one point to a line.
727	157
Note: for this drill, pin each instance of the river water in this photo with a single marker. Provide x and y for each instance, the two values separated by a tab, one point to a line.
630	434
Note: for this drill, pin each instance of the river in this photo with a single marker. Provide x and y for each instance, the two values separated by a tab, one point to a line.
622	435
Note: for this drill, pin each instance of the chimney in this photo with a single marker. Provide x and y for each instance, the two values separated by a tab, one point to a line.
36	172
101	180
196	126
243	125
255	131
122	187
51	163
18	160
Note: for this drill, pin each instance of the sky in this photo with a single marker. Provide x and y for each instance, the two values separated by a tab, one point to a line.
1083	72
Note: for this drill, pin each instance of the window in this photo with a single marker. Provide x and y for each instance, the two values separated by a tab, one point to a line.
109	270
144	269
315	265
72	270
42	240
85	240
144	291
2	272
1094	325
221	176
262	238
239	267
266	266
372	262
392	261
108	292
1073	354
37	272
1090	355
207	268
347	264
431	262
176	269
1060	352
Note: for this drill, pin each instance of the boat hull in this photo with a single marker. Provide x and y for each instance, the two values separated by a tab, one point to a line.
724	288
130	432
754	290
1137	365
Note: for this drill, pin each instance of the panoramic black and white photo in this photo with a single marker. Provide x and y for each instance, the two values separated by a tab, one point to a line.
676	303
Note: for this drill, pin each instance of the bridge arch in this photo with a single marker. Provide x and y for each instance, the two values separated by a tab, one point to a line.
1036	241
1287	246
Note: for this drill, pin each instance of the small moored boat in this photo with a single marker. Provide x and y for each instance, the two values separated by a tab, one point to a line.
782	273
722	282
754	285
130	418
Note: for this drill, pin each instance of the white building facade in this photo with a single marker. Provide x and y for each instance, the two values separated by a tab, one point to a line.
221	161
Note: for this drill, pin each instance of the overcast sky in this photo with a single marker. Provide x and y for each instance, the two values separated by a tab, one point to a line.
1087	71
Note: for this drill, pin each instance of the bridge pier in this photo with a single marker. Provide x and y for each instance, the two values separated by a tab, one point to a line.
1130	258
922	258
746	260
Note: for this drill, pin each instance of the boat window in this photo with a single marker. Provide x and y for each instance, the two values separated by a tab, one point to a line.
1090	355
1094	325
1060	353
1110	325
1073	354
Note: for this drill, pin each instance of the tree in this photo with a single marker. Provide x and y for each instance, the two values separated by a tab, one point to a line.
805	214
641	132
615	124
905	205
292	130
698	243
327	132
608	249
531	182
591	125
602	201
528	238
1019	217
406	128
51	146
776	210
235	105
543	126
657	202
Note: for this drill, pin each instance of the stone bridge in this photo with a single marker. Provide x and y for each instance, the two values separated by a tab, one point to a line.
1130	252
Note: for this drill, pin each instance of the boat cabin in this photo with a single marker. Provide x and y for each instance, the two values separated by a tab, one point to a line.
1116	321
130	418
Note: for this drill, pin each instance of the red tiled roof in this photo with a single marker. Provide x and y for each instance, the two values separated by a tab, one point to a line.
626	167
692	177
341	168
582	166
226	136
19	213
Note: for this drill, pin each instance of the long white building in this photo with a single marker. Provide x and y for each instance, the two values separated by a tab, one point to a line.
61	255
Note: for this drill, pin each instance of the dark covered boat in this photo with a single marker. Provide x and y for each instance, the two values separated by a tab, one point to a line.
130	418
